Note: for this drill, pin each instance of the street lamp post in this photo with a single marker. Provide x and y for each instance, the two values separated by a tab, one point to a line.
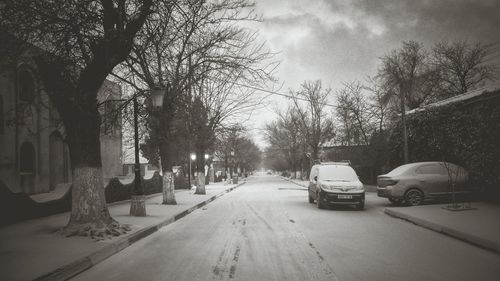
403	123
231	165
138	201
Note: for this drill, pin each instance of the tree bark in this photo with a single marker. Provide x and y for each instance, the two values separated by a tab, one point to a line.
200	186
200	159
168	179
168	188
89	213
166	150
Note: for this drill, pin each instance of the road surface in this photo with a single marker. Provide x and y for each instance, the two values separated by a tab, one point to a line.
266	230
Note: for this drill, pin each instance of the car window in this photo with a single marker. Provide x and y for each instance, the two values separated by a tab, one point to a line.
337	173
432	169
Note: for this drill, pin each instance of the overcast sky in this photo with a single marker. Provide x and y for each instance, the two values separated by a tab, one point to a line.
342	40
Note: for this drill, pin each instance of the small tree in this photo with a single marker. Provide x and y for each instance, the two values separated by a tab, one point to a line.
285	136
410	76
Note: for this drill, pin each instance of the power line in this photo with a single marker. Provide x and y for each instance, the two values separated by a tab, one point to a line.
279	94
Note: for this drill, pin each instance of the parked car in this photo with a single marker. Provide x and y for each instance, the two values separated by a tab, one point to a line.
415	182
335	183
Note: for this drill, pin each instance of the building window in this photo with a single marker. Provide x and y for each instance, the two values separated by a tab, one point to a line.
26	88
27	159
2	118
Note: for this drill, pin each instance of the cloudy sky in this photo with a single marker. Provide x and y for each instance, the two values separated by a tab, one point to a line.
342	40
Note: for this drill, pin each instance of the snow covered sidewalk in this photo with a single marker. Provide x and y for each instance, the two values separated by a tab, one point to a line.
478	225
32	249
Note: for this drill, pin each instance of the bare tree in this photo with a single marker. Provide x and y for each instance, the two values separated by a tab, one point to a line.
285	135
379	109
464	66
227	100
82	41
410	76
316	125
190	46
354	112
226	147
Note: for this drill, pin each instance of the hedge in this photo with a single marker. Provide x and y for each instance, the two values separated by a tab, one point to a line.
466	133
116	191
15	207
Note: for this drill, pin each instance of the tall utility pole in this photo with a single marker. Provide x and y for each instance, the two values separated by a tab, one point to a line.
403	123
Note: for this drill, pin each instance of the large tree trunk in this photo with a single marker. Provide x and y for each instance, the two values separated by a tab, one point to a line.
200	186
168	175
315	152
89	213
200	183
168	188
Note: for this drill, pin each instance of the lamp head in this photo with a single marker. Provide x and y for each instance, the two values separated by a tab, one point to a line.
157	96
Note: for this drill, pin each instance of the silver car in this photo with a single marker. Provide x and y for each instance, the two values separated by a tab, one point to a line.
415	182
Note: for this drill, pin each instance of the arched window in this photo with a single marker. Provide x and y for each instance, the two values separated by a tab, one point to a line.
26	86
2	117
27	159
58	164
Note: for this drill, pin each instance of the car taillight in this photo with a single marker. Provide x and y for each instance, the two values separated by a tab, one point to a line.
392	182
383	182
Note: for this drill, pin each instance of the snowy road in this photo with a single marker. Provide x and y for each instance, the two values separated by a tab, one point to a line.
266	230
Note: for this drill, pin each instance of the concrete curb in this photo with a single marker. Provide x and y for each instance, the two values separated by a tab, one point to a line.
72	269
296	183
128	200
467	237
368	188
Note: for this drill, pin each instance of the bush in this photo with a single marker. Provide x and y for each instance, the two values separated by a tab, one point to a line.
16	207
116	191
285	174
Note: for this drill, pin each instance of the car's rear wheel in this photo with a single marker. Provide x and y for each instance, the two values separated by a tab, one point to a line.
319	201
414	197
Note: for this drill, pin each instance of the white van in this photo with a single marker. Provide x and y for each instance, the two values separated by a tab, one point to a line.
335	183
